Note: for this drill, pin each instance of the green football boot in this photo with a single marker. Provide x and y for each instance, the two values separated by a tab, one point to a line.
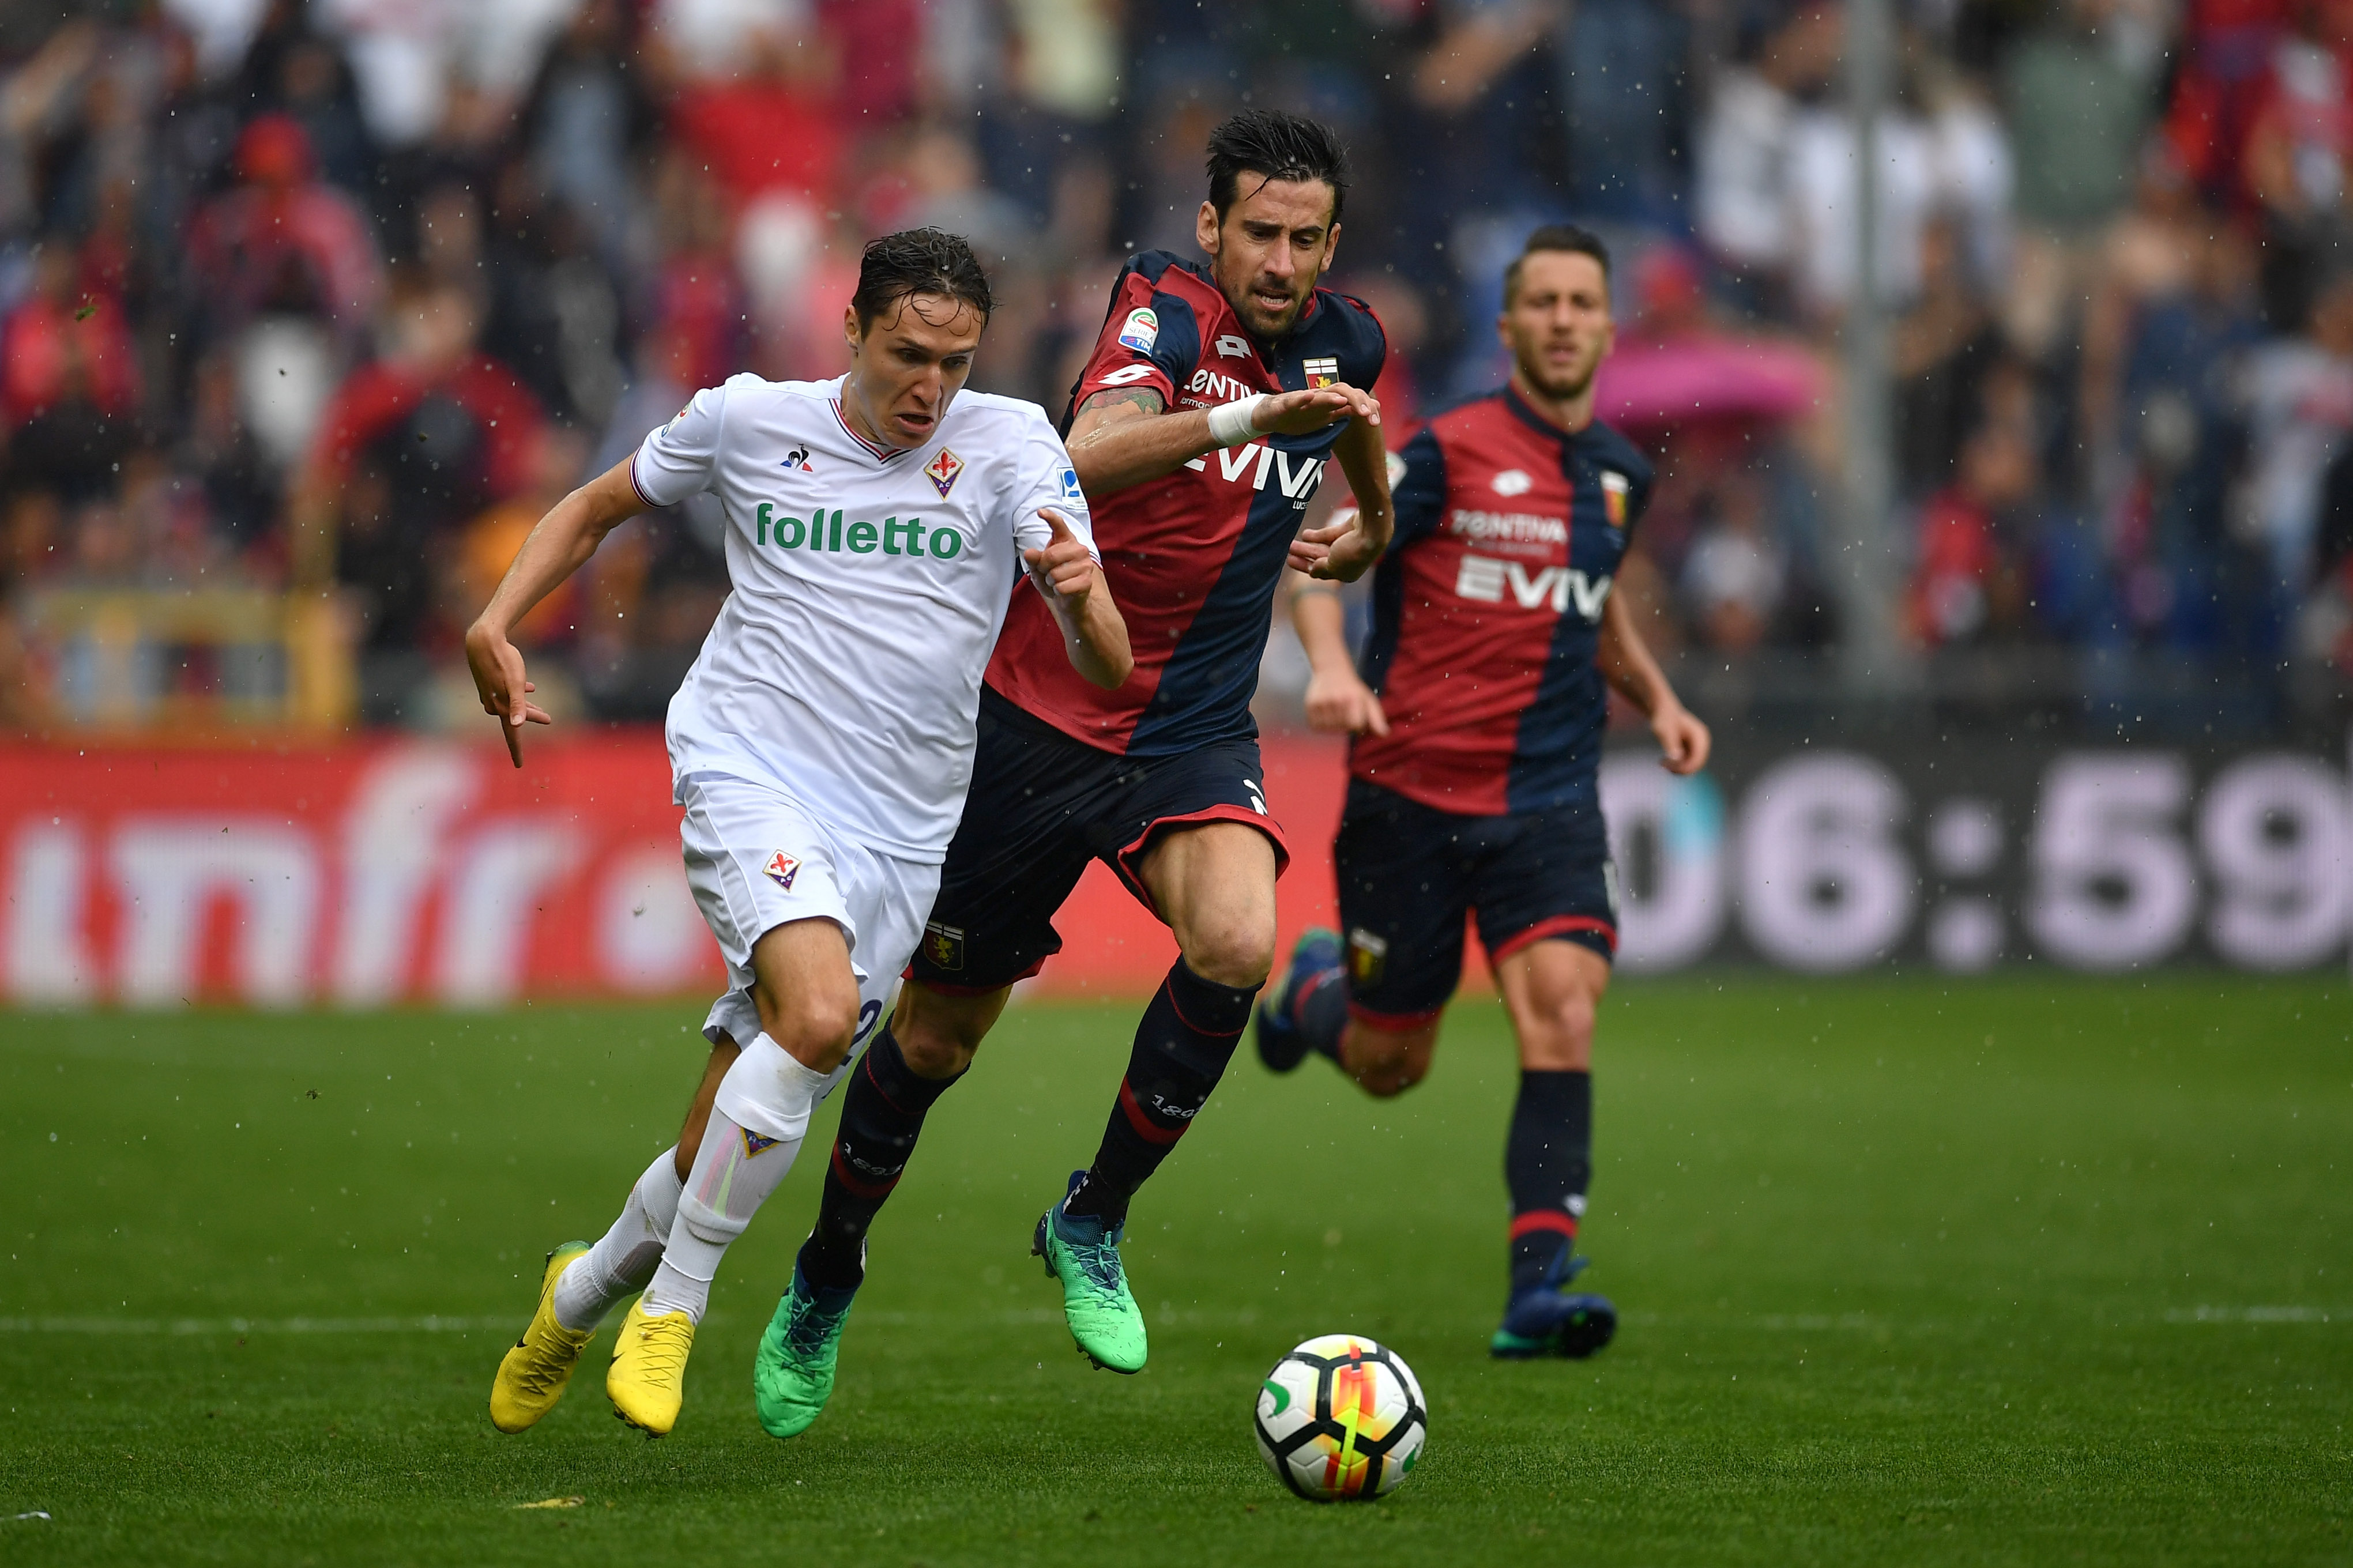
1082	1252
792	1376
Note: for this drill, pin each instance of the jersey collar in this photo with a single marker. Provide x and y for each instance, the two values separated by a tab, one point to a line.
880	454
1535	421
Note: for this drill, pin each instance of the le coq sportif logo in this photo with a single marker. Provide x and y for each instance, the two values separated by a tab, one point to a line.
827	532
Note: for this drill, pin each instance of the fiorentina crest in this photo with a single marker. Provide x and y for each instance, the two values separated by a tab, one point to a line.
942	470
781	869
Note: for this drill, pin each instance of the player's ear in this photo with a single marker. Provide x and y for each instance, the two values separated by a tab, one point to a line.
849	328
1205	227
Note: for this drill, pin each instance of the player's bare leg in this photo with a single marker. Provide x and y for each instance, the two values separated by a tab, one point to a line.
1552	989
806	996
1386	1062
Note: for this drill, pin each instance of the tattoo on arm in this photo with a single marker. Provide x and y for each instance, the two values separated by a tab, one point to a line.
1145	397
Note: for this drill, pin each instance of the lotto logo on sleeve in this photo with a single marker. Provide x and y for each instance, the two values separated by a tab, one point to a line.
781	869
1140	330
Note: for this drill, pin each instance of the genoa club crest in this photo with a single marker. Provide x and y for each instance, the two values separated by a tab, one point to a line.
942	470
1614	486
1320	371
944	946
781	869
1368	958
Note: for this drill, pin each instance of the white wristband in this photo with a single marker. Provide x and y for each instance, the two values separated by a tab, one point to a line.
1232	424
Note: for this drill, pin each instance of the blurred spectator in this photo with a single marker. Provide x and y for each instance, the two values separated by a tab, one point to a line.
1735	572
2300	408
1745	207
1966	585
2298	150
426	436
64	345
282	242
2079	95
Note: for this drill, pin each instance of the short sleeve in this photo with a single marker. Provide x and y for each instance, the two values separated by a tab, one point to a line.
1046	480
1368	349
1418	487
1151	341
675	461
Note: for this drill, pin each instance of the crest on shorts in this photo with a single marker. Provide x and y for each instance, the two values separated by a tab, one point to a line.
942	470
1368	958
781	869
1320	371
755	1144
1614	486
943	947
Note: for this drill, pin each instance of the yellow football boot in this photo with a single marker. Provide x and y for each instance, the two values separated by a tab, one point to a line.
532	1377
647	1379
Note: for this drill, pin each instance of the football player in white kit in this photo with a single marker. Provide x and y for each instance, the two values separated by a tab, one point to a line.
820	747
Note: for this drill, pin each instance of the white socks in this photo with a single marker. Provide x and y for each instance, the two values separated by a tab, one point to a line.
620	1264
759	1120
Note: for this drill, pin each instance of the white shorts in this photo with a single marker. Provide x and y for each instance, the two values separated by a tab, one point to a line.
756	858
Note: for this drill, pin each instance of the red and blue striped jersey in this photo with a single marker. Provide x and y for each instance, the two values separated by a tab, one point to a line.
1487	609
1192	558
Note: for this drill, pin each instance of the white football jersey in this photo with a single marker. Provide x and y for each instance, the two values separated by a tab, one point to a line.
869	585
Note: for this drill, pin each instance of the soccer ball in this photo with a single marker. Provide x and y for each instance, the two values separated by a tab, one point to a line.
1341	1419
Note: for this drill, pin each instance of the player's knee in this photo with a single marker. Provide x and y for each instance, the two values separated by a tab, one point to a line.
1560	1033
937	1034
929	1053
1236	951
815	1025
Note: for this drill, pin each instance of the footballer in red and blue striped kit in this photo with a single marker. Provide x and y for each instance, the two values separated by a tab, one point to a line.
1200	431
1477	711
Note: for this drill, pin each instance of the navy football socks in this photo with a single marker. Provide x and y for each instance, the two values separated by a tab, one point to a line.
1546	1162
1182	1045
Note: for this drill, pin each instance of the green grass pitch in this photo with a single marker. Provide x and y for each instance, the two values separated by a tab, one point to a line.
1912	1273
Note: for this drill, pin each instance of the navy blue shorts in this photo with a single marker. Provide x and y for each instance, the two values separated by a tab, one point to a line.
1410	873
1042	806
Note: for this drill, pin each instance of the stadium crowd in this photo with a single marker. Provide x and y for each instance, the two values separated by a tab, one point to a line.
343	293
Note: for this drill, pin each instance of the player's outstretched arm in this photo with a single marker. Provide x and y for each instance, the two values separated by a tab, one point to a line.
1337	697
1093	633
1626	663
559	544
1348	547
1125	436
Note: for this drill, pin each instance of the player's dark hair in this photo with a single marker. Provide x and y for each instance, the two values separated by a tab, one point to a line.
918	261
1560	238
1277	146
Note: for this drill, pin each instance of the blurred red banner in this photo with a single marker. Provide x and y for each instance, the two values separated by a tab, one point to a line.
399	870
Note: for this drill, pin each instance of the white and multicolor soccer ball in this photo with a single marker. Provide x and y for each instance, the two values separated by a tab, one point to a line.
1341	1419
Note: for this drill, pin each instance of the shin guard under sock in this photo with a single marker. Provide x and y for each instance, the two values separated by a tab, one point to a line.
883	1110
1546	1162
1186	1037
